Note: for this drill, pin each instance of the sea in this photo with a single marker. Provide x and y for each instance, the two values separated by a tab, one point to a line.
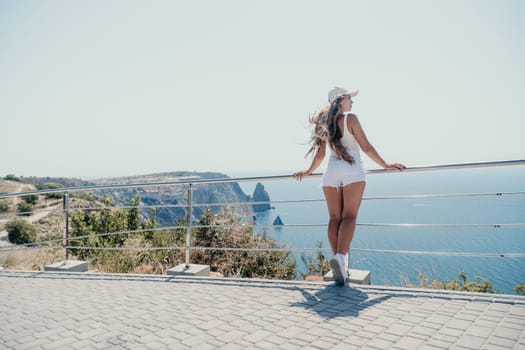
503	204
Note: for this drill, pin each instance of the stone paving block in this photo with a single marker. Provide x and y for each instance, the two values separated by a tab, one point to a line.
262	323
356	340
466	317
509	333
291	332
284	323
195	331
257	336
299	341
494	347
450	332
485	323
290	346
365	334
379	344
196	340
317	331
230	327
25	339
431	305
504	342
398	329
408	343
372	328
230	336
34	344
509	324
59	343
389	337
438	319
155	345
385	321
231	346
470	342
308	338
439	343
422	330
275	339
320	344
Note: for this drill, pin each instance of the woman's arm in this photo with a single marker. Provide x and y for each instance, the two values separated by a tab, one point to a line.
318	159
366	146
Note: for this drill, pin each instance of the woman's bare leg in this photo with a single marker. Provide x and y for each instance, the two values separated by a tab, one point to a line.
352	196
334	201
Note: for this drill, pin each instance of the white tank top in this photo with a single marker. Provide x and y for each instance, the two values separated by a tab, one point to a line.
348	141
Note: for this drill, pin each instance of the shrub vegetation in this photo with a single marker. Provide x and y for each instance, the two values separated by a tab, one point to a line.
24	208
20	231
51	185
4	205
31	199
135	233
11	177
478	284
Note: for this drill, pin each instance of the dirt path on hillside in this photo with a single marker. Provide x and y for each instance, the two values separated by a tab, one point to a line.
42	211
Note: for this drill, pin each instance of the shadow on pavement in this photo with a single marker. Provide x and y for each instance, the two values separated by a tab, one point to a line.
338	301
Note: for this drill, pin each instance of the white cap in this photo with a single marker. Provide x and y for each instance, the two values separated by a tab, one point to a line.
338	91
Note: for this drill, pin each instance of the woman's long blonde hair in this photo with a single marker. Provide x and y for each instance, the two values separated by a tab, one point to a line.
326	130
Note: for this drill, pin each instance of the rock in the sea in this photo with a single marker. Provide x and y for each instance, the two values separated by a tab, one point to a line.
278	221
260	195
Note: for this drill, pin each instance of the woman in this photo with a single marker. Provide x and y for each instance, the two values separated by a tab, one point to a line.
344	179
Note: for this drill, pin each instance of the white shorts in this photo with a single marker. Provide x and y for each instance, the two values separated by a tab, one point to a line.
340	173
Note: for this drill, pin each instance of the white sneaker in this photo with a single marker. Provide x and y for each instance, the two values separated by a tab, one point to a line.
344	269
337	272
347	270
337	269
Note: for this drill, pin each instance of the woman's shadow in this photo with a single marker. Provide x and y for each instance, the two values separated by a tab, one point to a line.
338	301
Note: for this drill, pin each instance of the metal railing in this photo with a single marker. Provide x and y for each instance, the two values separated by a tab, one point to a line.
189	225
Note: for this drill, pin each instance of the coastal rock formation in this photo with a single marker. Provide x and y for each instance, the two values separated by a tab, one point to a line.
278	221
260	195
169	199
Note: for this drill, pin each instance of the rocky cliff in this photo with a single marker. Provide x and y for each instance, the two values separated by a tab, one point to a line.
260	195
173	198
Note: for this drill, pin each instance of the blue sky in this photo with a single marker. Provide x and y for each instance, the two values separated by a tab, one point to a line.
107	88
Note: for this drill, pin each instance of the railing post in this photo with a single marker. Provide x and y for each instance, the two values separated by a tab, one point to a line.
188	229
66	234
67	265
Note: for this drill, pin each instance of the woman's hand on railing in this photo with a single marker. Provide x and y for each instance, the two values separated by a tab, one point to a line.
301	174
395	166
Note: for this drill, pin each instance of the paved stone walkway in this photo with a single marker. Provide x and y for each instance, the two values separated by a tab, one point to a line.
97	311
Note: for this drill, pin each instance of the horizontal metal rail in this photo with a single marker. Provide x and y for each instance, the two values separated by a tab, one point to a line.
284	250
189	183
257	178
105	234
241	225
225	204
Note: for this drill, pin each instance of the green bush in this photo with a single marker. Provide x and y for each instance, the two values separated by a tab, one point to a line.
51	186
478	284
317	264
519	289
31	199
24	209
224	231
20	231
4	205
11	177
